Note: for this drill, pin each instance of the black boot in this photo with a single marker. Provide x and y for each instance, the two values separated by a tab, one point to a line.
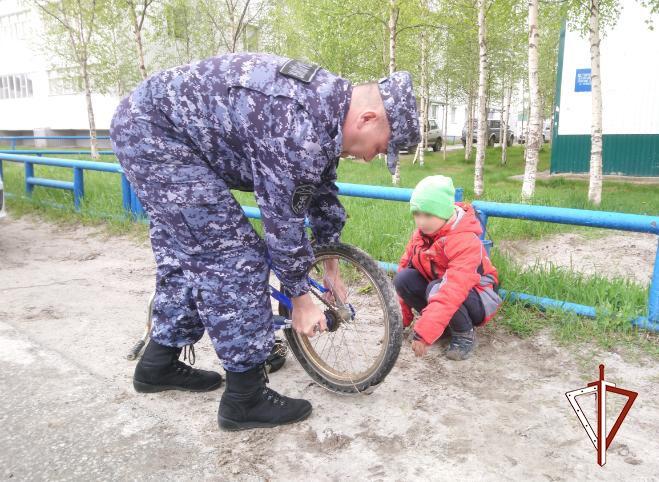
462	344
160	369
248	403
277	356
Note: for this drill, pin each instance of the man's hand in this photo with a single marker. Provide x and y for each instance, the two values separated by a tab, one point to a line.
307	316
420	347
332	281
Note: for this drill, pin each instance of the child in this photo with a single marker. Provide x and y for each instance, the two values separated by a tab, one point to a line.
445	273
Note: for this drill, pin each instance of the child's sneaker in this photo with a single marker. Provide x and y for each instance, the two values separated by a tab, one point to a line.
462	344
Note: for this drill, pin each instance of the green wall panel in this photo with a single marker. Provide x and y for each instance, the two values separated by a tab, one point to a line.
626	154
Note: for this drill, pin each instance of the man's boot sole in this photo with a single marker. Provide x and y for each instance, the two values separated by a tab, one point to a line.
233	426
143	387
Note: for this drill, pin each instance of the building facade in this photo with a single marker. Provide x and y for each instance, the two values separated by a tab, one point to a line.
630	98
37	99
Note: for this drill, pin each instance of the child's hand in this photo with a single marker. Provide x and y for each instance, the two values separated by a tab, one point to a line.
420	347
408	316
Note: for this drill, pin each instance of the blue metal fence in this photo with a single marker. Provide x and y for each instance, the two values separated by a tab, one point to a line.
41	152
486	210
12	139
129	200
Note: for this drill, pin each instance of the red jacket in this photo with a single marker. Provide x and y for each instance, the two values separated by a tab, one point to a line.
454	253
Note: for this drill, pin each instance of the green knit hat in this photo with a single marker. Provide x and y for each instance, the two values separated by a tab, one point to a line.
434	195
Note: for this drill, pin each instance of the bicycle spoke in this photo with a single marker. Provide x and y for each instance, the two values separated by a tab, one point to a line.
361	342
347	355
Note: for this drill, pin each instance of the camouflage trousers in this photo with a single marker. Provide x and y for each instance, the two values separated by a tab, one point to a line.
212	268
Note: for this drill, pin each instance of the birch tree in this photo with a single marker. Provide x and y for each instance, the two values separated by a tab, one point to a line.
445	119
460	60
595	178
469	130
425	94
349	38
231	19
592	17
482	101
70	29
508	47
505	117
534	136
394	11
114	65
137	11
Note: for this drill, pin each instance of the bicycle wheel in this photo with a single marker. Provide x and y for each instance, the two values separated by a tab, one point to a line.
365	329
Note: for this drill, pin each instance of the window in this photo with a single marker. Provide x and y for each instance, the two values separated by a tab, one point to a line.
453	109
15	86
433	111
15	25
432	125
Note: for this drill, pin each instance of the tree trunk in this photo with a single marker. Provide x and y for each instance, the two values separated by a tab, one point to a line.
595	184
137	33
445	121
505	119
503	102
524	128
482	101
385	45
93	143
425	101
393	23
231	14
534	136
469	133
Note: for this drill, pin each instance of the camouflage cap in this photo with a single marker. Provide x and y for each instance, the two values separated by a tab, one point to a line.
400	104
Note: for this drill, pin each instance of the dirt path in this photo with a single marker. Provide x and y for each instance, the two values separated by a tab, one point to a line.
72	301
613	254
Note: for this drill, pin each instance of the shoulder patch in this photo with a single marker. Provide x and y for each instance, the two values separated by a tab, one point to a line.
302	198
299	70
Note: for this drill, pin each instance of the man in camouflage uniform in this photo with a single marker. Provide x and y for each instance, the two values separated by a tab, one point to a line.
252	122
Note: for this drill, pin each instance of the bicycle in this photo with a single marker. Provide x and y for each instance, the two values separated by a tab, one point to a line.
364	331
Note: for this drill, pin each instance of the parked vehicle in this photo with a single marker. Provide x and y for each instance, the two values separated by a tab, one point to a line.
434	137
493	133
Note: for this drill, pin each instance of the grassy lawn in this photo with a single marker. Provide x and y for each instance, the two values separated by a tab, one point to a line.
383	227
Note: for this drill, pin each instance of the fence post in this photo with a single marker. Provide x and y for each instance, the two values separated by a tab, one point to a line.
78	187
126	194
139	210
482	217
29	172
653	295
136	206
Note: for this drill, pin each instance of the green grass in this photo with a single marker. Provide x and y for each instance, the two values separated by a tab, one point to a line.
382	228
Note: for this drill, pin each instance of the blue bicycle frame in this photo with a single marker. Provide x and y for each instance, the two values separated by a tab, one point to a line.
281	322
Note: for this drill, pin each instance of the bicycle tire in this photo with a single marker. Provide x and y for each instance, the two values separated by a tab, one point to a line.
392	321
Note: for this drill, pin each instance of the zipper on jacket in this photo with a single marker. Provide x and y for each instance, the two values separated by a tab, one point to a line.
418	258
